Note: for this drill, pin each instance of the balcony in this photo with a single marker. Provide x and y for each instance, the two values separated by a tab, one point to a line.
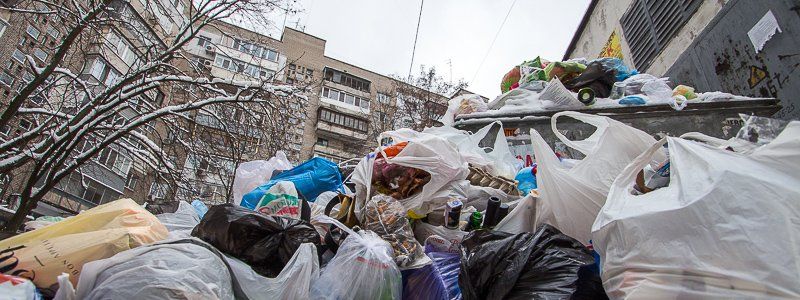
340	132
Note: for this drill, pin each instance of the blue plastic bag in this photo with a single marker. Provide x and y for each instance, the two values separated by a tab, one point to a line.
623	72
311	178
632	100
435	281
526	179
200	208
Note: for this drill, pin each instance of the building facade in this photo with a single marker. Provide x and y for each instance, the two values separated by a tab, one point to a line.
736	46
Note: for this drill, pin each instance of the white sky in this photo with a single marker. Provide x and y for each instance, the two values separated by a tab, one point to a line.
379	35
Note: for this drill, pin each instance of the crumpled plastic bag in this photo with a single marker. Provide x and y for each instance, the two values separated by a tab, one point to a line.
622	71
184	218
251	174
541	265
188	268
464	104
387	217
266	243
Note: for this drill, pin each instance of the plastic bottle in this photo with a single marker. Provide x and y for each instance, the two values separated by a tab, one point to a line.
492	211
475	221
502	213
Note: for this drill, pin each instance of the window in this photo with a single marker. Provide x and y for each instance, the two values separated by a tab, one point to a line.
18	56
53	32
6	79
346	79
122	166
25	124
255	50
98	68
131	181
33	32
650	25
41	55
203	41
93	192
27	77
383	98
158	190
120	47
322	142
350	122
270	55
3	26
22	41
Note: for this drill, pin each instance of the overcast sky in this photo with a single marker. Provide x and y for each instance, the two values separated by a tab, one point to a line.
379	35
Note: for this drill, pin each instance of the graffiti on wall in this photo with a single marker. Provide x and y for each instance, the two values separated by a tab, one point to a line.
613	47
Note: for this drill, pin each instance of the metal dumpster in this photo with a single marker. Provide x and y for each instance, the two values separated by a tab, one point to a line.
717	119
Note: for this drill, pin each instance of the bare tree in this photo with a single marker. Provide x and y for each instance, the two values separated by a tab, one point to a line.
78	109
422	99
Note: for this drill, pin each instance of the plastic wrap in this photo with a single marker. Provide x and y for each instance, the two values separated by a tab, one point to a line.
311	178
387	217
540	265
264	242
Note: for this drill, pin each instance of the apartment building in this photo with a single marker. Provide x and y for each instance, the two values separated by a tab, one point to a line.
102	60
337	121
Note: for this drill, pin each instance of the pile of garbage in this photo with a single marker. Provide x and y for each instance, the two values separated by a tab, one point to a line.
541	85
434	215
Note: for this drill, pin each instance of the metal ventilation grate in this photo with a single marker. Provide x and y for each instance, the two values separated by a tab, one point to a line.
649	25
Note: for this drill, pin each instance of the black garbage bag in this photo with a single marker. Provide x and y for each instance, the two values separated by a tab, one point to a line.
598	77
266	243
544	265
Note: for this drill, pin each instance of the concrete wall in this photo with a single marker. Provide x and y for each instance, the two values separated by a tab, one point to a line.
605	19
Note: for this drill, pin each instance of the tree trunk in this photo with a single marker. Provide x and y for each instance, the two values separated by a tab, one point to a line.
27	204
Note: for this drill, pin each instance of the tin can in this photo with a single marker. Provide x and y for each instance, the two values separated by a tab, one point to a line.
618	90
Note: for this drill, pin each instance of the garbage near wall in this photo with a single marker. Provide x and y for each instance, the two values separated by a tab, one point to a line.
436	216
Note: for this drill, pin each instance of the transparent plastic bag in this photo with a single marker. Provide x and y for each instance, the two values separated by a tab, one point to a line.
760	130
387	217
363	268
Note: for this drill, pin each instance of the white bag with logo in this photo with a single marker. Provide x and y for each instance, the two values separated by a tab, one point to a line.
725	227
571	197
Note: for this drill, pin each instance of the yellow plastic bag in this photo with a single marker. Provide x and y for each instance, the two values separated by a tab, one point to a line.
43	254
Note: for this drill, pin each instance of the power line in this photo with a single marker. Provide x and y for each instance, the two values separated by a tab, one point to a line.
493	40
414	49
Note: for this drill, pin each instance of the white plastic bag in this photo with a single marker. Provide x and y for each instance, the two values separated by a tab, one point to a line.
464	104
189	268
441	238
522	218
570	198
426	152
499	161
363	268
184	218
252	174
724	228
